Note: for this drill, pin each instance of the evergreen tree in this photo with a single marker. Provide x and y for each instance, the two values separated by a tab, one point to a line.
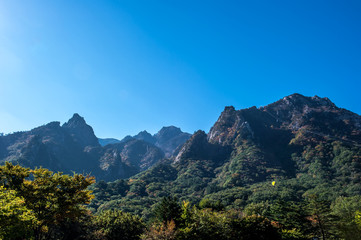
168	209
320	215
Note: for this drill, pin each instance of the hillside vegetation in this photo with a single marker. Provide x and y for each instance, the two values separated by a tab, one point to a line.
266	161
289	170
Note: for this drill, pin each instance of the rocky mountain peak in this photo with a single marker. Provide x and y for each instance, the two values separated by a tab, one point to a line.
81	131
194	147
299	102
169	138
145	136
75	121
169	131
225	128
229	109
291	109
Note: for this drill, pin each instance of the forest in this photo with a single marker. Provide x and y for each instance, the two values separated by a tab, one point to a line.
41	204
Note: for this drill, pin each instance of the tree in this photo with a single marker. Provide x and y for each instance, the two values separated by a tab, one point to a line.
161	231
290	216
168	209
115	224
321	217
214	205
16	220
54	198
253	227
358	219
346	208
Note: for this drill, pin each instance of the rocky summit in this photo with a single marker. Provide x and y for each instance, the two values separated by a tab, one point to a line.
242	147
302	145
277	133
73	146
168	139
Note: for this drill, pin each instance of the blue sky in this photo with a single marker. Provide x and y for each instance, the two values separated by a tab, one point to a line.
126	66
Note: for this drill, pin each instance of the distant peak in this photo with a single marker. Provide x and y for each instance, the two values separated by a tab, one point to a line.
144	132
75	121
81	131
170	128
229	109
145	136
77	117
169	131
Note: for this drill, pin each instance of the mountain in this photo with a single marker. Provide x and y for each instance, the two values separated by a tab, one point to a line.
145	136
125	159
272	140
306	145
168	139
81	132
60	148
73	146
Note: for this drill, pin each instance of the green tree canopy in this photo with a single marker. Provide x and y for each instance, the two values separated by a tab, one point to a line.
16	220
115	224
54	198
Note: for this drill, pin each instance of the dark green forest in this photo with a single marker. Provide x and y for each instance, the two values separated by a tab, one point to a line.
321	200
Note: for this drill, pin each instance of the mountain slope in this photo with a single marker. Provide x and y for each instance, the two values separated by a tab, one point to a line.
306	145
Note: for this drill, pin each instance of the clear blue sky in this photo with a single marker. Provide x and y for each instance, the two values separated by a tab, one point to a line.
126	66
